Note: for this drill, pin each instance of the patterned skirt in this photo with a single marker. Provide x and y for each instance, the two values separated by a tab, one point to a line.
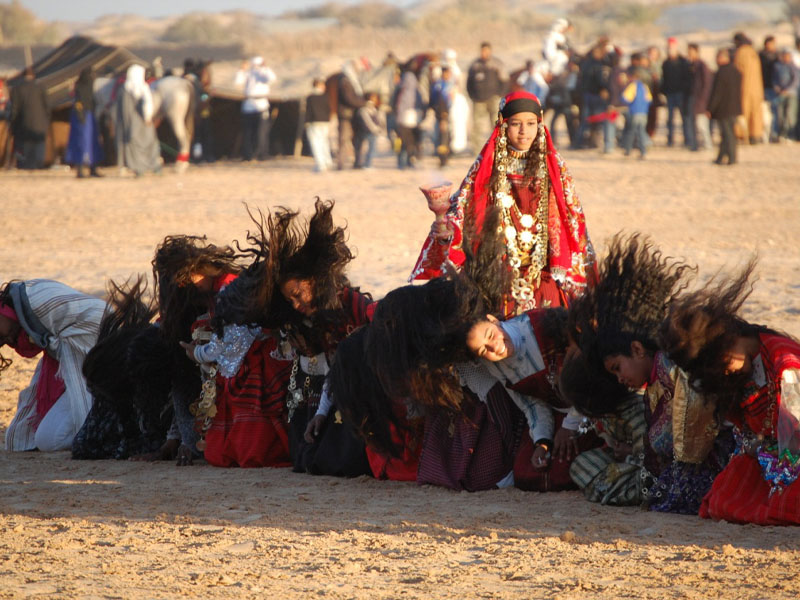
403	467
607	481
249	429
741	495
475	450
681	486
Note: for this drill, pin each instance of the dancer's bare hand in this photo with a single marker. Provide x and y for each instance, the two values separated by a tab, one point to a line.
189	348
622	450
313	428
541	458
565	444
442	232
168	451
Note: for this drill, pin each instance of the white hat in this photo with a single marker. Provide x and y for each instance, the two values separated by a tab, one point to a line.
257	61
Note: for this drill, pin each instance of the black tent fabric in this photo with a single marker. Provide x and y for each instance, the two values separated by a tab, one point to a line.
59	69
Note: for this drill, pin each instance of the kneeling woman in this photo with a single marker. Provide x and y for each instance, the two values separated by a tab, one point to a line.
49	318
297	289
239	413
665	447
754	372
525	355
418	347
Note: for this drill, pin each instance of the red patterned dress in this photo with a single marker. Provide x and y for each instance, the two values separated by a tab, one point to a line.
542	385
249	428
542	204
764	489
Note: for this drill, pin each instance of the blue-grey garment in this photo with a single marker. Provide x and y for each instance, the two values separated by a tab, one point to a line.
27	318
786	77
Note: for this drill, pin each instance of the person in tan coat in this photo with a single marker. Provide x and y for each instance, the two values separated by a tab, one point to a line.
746	60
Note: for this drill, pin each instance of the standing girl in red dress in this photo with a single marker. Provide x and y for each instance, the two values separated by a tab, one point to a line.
547	249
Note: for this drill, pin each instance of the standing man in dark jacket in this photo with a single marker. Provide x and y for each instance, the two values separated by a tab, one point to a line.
350	97
725	104
486	81
676	84
702	78
30	120
594	81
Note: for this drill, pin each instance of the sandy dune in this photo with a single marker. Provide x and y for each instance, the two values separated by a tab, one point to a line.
72	529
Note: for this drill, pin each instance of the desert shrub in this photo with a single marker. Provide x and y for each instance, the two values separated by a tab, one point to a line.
18	25
372	14
194	29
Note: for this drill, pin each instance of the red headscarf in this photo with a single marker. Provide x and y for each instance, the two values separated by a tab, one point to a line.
481	190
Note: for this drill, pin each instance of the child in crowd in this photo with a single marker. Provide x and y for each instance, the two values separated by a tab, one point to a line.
368	124
441	101
637	97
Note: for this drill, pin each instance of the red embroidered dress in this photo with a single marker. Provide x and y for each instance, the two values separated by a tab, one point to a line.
764	490
548	241
249	427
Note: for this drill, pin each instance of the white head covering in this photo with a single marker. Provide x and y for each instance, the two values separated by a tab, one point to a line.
257	61
137	87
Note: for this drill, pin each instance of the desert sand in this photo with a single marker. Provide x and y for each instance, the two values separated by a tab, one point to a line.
107	529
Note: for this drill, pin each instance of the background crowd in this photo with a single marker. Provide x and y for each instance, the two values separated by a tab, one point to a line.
427	105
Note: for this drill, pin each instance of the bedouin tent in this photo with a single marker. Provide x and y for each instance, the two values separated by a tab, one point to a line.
57	72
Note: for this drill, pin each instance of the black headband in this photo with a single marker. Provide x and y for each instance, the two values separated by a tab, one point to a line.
521	105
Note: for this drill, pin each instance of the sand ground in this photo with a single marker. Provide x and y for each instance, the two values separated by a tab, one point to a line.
108	529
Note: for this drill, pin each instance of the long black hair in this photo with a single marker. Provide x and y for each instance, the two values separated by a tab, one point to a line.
284	246
105	366
627	302
357	392
129	368
419	332
410	340
175	260
702	326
